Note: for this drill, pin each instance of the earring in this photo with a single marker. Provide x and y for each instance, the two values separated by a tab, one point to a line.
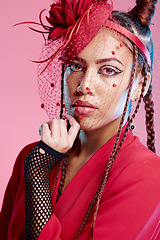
136	99
132	127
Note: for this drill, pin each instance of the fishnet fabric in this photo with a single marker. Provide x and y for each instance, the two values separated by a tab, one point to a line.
38	205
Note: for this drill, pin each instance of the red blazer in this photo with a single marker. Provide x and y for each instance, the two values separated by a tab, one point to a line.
129	207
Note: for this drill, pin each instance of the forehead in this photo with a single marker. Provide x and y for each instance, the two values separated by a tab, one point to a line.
107	44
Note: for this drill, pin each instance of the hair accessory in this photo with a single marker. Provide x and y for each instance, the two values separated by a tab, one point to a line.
132	127
64	15
115	26
136	99
42	105
73	24
52	84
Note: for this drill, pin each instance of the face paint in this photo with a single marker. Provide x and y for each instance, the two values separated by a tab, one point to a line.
88	89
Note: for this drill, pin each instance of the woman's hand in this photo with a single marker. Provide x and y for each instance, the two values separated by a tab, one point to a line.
54	133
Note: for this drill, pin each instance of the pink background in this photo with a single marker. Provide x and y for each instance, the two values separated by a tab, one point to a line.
21	114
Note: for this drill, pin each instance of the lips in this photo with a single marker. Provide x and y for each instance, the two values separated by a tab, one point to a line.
82	104
83	107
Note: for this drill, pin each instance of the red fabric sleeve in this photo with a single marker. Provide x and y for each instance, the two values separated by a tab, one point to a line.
51	230
13	207
12	216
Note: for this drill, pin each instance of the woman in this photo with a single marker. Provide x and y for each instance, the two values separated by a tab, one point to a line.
90	178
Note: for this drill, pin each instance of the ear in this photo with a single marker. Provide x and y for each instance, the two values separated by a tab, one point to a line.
138	87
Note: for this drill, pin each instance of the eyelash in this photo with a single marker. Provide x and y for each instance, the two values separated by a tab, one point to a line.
112	70
72	67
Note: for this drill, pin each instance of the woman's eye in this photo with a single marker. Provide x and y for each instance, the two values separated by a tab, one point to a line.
109	71
76	67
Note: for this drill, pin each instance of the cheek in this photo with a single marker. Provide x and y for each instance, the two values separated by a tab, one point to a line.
121	103
117	94
108	93
71	82
70	85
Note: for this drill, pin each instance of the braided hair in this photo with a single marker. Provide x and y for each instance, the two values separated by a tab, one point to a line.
137	21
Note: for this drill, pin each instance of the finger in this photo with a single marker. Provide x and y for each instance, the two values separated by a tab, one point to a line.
55	128
74	129
63	129
70	118
45	132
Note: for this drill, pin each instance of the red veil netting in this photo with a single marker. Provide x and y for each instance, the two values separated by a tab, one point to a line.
73	25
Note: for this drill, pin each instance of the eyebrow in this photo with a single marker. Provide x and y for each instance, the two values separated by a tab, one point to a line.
100	60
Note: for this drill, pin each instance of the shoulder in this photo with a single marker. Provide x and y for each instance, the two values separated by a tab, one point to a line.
136	166
137	154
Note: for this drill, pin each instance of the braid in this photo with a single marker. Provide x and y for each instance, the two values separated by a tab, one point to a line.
134	114
127	100
62	90
64	169
149	108
112	157
115	153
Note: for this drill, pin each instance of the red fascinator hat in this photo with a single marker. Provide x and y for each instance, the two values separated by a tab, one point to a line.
73	24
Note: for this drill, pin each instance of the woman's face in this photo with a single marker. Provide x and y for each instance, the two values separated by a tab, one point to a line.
96	82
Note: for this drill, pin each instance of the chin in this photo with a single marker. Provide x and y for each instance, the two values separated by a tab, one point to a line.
89	124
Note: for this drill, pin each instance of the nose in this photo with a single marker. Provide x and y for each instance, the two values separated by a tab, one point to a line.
86	85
